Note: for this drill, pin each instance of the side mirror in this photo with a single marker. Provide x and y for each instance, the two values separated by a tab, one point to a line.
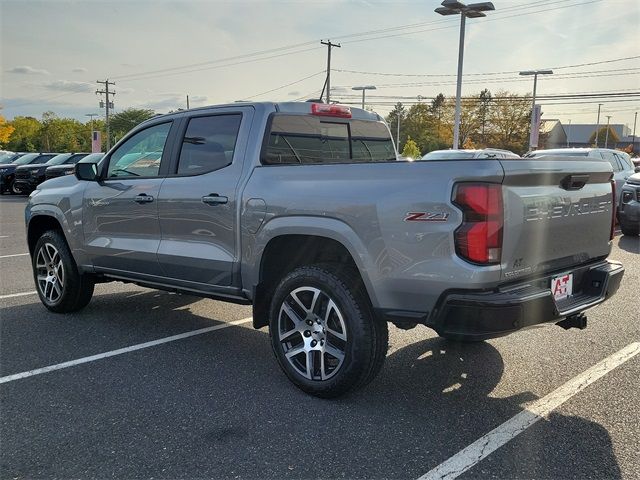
87	171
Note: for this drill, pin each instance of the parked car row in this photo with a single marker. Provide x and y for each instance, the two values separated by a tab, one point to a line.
22	172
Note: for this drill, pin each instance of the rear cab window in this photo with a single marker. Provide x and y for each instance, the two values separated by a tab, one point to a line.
307	139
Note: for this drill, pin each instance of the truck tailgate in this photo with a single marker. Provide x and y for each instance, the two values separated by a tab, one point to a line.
558	213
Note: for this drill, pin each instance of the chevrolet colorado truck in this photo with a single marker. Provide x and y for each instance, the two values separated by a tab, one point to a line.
304	211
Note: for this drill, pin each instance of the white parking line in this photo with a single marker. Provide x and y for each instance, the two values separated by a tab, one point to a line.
120	351
14	295
14	255
496	438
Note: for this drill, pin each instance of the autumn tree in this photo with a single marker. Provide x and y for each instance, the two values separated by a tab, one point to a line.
509	118
6	130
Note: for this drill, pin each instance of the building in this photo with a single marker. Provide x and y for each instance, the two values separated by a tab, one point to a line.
552	134
579	135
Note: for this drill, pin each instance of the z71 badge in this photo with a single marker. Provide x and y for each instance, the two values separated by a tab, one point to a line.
426	217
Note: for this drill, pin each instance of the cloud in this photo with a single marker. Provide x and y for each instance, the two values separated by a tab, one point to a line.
125	90
295	93
27	70
69	86
197	99
79	70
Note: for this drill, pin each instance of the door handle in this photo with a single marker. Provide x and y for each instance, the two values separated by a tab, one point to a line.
143	198
214	199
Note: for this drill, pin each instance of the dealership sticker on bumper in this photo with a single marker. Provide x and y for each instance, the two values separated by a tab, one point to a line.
562	286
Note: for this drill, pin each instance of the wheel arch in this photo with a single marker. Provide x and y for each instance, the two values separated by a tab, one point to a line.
311	241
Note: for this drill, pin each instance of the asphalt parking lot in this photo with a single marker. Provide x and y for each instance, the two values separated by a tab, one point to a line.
214	404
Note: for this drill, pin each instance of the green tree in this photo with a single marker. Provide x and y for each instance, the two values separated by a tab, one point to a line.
398	113
410	149
60	134
26	134
122	122
602	135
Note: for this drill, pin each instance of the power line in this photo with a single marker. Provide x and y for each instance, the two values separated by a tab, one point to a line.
286	85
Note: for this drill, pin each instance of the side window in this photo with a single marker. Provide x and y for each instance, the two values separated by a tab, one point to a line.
140	155
611	158
626	164
208	144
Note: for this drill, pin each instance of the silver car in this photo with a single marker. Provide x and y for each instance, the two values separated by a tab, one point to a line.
622	166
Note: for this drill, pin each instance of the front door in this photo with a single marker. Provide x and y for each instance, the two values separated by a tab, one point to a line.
198	199
120	216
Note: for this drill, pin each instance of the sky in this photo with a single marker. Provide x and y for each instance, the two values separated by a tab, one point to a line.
157	52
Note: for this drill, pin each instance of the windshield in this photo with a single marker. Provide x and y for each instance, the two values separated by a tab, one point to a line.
563	153
59	159
6	157
92	157
26	159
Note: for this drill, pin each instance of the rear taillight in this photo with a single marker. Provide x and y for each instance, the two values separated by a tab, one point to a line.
613	208
324	109
479	238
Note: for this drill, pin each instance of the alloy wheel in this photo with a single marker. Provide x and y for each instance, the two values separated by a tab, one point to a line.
50	273
312	333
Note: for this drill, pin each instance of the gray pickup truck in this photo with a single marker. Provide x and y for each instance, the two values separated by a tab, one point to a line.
303	211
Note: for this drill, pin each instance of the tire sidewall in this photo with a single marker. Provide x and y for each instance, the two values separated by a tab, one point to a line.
355	324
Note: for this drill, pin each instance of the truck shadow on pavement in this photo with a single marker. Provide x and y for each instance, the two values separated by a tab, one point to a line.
216	405
630	244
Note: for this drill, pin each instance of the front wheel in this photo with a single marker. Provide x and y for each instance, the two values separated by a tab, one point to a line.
323	331
61	287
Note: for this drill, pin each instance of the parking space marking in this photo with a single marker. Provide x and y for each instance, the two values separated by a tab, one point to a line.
14	255
120	351
496	438
14	295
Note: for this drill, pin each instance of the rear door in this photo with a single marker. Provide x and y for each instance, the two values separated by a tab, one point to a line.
120	212
198	201
558	213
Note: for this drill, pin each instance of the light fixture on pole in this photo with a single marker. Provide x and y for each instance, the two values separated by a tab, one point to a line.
475	10
364	88
533	132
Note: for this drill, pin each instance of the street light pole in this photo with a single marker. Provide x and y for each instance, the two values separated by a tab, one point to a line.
364	88
533	142
606	138
91	115
598	124
475	10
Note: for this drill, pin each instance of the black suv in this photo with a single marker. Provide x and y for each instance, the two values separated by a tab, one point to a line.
28	177
68	168
8	170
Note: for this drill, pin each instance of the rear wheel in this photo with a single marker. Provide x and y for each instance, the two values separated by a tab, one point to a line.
323	332
629	230
61	287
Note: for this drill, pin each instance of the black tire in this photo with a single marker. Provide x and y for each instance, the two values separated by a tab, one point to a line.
13	189
630	231
52	260
364	347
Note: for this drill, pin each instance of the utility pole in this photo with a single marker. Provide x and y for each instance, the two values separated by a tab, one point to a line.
633	137
107	105
328	82
598	125
606	138
187	102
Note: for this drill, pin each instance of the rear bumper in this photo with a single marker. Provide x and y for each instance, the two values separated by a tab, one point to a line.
482	315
